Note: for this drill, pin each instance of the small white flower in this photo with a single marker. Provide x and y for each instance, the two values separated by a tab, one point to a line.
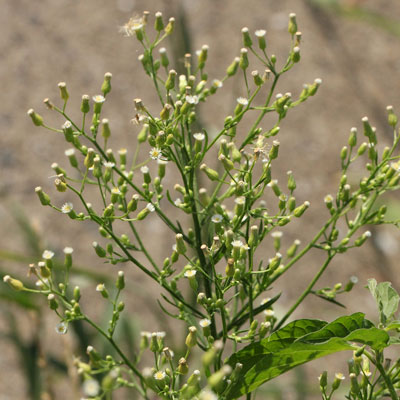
240	200
178	202
277	234
122	152
68	250
155	153
48	255
159	375
204	323
69	152
208	395
199	136
260	33
146	334
237	243
190	273
115	190
269	313
67	125
91	387
160	161
216	219
66	208
192	99
217	83
144	169
242	100
62	328
100	287
150	207
160	335
109	164
99	99
133	25
339	376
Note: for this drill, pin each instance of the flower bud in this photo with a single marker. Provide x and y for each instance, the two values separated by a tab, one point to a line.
13	283
36	118
295	56
260	34
231	70
323	380
183	367
191	338
170	82
299	211
100	251
244	61
120	284
369	131
212	174
145	212
53	303
106	86
292	27
43	197
247	42
158	24
392	117
339	377
170	26
105	128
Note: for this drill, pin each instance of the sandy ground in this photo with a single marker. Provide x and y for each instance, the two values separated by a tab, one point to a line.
44	42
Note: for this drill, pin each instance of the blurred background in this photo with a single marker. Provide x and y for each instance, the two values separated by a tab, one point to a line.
352	45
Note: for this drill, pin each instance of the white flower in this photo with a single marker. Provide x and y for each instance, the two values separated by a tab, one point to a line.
69	152
242	100
155	153
67	125
48	255
190	273
217	218
66	208
133	25
160	161
99	99
208	395
339	376
68	250
159	375
178	202
192	99
240	200
217	83
160	335
115	190
269	313
122	152
109	164
62	328
199	136
204	323
260	32
91	387
100	287
150	207
277	234
237	243
144	169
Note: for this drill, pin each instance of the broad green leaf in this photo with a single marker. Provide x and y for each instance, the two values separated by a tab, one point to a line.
386	297
297	343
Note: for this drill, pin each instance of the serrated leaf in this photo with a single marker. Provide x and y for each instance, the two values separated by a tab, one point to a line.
297	343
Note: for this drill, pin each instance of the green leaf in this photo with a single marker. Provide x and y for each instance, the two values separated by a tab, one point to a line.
297	343
386	298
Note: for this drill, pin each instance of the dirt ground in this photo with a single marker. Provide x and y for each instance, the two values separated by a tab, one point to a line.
44	42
